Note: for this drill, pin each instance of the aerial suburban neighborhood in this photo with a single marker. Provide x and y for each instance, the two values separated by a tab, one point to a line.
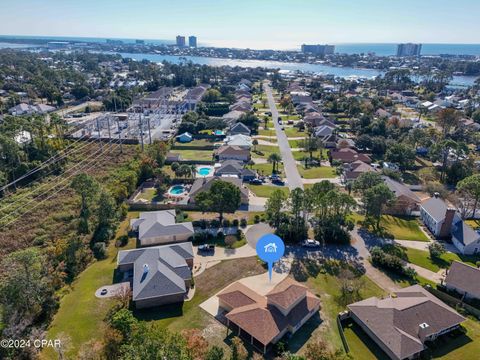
139	179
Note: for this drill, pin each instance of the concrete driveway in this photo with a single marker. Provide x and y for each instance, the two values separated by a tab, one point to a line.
112	290
256	231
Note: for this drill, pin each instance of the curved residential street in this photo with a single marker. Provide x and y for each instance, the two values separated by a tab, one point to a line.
294	179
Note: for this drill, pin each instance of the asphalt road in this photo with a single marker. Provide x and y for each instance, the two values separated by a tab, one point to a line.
293	176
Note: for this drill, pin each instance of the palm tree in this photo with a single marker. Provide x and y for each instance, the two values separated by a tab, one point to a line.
193	171
255	143
274	159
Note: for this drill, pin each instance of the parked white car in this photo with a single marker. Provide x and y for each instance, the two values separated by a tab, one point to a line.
310	243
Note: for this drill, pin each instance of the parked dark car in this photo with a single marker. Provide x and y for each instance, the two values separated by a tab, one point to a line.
278	181
256	182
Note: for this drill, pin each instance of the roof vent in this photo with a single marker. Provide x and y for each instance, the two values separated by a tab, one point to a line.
424	325
145	272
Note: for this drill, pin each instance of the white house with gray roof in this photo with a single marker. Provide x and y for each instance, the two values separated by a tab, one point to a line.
437	216
160	227
158	275
465	239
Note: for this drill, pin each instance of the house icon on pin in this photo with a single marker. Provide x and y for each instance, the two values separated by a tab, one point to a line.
270	248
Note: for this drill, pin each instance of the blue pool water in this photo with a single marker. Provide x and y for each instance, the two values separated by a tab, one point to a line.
177	190
218	132
204	171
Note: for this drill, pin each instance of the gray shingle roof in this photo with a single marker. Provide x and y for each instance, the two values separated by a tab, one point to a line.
396	321
436	207
464	277
463	232
158	271
160	223
400	189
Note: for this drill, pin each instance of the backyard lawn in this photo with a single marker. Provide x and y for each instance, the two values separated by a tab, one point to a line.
269	132
196	143
80	316
249	215
362	347
148	195
266	190
194	154
318	172
325	283
401	228
422	258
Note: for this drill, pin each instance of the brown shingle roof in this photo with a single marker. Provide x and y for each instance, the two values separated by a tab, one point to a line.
349	155
263	320
286	293
464	277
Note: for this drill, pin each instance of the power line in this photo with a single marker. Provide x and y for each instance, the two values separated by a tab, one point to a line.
41	194
47	162
42	201
28	193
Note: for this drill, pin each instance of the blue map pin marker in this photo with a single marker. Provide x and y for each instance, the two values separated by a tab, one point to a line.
270	248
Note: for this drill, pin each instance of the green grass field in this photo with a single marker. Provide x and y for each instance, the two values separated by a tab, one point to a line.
294	132
318	172
194	154
266	190
327	286
362	347
81	314
196	143
296	144
422	258
266	169
401	228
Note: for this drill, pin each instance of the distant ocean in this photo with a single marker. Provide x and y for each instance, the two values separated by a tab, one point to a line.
358	48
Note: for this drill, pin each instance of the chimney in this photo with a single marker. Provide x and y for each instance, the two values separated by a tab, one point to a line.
423	329
446	229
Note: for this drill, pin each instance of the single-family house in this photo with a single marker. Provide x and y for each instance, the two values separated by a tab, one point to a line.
347	156
239	140
355	169
235	168
465	239
27	109
232	116
437	217
160	227
464	279
186	137
239	128
403	323
158	275
204	184
227	152
326	134
265	320
406	201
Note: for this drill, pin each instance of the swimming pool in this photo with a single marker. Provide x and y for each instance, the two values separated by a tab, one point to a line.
176	190
204	171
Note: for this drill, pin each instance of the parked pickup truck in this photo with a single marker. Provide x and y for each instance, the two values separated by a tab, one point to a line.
206	247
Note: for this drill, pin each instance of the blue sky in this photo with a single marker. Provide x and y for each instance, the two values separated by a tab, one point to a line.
275	24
